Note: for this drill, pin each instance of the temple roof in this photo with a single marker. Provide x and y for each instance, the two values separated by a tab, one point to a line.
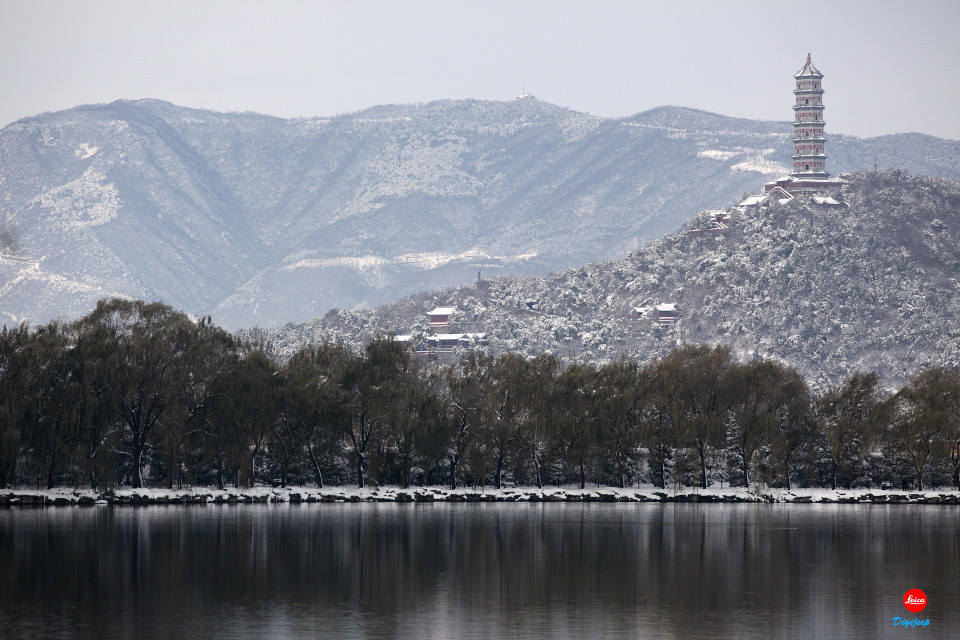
441	311
808	71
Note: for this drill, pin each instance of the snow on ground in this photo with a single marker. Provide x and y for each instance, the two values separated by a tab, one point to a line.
717	154
425	260
30	269
192	495
85	202
761	163
84	151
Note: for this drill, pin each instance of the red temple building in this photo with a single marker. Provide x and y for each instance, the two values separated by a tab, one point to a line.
809	173
439	319
665	313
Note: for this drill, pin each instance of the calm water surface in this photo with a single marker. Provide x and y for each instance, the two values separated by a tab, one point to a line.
477	571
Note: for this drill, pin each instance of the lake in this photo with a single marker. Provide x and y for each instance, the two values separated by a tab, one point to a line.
477	571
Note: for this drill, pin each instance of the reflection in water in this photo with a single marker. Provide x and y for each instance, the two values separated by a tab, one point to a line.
475	570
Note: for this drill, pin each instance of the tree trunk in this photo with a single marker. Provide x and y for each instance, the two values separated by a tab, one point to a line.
316	466
360	462
746	471
137	480
405	464
499	475
170	471
536	470
239	475
454	464
583	476
319	474
703	468
94	480
52	471
220	472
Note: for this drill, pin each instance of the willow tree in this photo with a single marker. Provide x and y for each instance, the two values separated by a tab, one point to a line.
659	416
920	418
850	422
413	422
763	394
207	359
312	408
467	384
370	384
142	346
578	416
949	384
15	404
239	426
792	431
506	409
57	393
539	430
622	388
702	376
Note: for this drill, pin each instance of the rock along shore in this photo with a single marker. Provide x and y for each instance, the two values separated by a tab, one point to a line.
299	495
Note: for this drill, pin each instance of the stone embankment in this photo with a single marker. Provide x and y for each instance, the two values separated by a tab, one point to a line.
299	495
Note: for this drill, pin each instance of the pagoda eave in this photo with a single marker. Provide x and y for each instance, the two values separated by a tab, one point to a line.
806	182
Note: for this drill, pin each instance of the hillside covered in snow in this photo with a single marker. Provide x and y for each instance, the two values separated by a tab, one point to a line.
261	220
830	291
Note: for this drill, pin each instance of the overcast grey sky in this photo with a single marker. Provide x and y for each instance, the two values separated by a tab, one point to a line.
889	66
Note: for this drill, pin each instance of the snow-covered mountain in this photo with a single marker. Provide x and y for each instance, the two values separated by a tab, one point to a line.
260	220
830	291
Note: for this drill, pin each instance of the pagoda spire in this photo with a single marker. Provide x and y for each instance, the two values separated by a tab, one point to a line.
809	175
809	144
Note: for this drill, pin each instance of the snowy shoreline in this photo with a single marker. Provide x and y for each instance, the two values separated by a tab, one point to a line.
299	495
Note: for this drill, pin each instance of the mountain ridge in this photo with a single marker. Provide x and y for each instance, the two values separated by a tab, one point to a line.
263	220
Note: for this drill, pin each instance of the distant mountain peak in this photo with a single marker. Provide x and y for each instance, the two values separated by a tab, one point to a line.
208	210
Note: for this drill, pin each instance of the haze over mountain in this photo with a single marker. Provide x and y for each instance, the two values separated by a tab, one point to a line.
830	291
261	220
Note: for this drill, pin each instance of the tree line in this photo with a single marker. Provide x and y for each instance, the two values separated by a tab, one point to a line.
139	394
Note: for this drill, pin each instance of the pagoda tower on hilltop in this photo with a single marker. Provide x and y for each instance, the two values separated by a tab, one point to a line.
809	173
809	156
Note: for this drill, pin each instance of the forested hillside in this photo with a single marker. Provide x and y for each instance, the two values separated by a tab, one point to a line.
830	291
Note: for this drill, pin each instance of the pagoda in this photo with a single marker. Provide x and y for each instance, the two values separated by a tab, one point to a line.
809	145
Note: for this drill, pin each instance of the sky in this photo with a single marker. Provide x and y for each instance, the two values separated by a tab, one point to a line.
889	67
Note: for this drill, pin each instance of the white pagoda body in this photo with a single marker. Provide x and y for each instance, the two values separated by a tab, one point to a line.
809	173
